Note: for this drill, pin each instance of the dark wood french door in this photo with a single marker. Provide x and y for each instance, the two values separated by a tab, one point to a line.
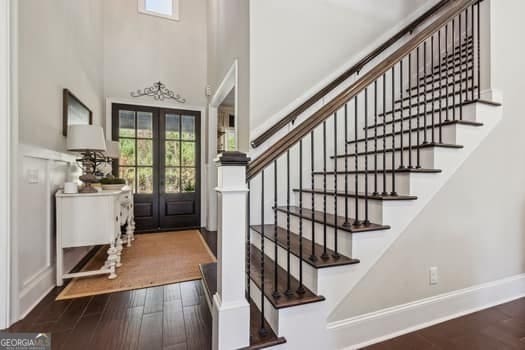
160	160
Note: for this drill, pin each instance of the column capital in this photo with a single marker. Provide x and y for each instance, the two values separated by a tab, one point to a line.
232	158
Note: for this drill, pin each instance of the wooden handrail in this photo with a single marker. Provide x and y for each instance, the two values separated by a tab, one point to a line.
259	140
294	136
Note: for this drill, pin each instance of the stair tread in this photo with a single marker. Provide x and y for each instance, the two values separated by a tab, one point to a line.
397	149
388	171
209	277
284	300
269	233
361	195
414	129
415	115
331	220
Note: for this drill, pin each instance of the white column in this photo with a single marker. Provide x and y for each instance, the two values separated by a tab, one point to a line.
231	311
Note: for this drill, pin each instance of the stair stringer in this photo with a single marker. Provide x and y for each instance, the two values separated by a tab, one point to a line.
336	284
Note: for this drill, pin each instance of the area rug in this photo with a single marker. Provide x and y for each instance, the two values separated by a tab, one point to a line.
152	260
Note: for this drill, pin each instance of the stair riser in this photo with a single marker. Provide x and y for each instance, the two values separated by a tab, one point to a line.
448	135
426	156
309	273
271	314
375	207
344	237
402	181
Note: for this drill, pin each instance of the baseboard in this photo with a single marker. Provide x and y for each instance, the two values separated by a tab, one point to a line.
364	330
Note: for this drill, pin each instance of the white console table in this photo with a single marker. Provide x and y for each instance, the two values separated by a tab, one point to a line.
89	219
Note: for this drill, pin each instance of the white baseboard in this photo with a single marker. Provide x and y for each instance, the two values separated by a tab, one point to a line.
364	330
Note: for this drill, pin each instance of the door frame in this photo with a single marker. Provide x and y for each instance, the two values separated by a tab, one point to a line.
109	130
229	82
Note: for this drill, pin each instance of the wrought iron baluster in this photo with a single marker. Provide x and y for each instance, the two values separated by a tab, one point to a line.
262	330
288	291
313	257
376	192
384	193
276	294
418	126
478	48
453	34
440	90
410	166
367	221
336	240
248	244
347	223
357	222
324	256
425	139
402	129
433	88
300	289
461	59
393	193
473	82
446	74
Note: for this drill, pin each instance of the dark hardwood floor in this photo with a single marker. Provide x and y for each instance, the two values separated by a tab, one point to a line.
498	328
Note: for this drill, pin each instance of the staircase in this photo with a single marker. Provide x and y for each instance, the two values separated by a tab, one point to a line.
328	200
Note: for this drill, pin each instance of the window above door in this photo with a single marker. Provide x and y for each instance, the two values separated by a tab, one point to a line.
168	9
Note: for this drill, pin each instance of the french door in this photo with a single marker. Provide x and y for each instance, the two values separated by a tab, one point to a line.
160	160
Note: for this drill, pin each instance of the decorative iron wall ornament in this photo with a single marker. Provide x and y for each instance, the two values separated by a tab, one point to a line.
159	92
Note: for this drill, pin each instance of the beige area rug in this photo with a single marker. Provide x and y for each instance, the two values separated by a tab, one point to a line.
152	260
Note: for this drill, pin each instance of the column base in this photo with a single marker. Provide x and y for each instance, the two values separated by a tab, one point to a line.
231	324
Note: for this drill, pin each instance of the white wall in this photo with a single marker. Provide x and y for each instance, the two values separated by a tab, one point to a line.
60	46
228	40
296	44
474	229
141	49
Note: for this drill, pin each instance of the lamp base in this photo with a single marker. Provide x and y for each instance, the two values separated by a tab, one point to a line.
88	179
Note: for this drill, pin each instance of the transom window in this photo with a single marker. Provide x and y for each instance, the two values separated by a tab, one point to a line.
163	8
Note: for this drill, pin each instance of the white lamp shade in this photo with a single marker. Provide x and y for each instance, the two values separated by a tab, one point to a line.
83	138
113	149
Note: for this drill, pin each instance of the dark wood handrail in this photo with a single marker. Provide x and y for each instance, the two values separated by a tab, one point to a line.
294	136
259	140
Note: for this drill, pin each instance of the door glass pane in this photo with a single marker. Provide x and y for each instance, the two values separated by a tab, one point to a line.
129	175
126	123
188	153
188	127
172	180
145	152
172	153
127	152
188	180
172	126
145	125
145	180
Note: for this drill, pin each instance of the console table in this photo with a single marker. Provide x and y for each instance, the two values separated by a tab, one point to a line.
90	219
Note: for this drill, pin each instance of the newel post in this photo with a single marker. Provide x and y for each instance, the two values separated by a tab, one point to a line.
231	311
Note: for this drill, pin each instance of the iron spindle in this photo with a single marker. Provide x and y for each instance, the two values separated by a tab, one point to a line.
248	245
410	166
453	34
336	242
324	256
446	73
478	48
385	193
461	67
313	257
300	289
393	193
356	202
425	140
375	139
366	222
418	124
467	56
288	276
432	87
263	332
440	90
347	223
275	293
402	166
473	54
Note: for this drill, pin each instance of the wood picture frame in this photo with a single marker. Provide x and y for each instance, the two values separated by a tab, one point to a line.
74	111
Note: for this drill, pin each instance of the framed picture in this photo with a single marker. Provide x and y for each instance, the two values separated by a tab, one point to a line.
74	112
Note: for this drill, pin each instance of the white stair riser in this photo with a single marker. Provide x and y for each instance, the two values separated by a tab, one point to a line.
375	207
402	182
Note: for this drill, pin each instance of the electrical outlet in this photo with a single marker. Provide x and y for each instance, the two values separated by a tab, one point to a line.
433	275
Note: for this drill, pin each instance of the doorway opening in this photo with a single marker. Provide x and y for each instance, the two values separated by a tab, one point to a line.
160	161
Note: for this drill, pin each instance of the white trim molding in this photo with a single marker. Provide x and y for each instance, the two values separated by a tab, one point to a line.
6	139
365	330
230	81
